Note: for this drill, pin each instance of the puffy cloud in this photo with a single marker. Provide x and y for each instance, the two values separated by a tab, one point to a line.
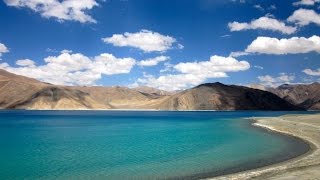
145	40
306	2
171	82
294	45
3	49
108	64
303	17
283	78
72	69
214	65
25	62
153	61
312	72
167	67
265	23
194	73
74	10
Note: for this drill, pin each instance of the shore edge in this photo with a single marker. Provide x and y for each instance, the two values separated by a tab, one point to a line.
305	166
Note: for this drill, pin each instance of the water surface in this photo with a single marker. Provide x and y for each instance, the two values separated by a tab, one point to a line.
136	145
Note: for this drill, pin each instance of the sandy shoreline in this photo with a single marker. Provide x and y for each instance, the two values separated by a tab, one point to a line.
306	166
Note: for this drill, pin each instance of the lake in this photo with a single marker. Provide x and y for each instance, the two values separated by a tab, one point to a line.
137	144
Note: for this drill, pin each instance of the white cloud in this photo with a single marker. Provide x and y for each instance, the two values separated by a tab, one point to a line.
108	64
306	2
259	7
225	36
312	72
66	51
50	50
180	46
145	40
172	82
72	69
214	65
74	10
258	67
168	67
3	49
238	53
303	17
195	73
25	62
271	81
153	61
265	23
4	65
294	45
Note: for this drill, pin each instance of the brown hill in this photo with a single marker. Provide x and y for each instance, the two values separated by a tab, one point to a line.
217	96
303	95
19	92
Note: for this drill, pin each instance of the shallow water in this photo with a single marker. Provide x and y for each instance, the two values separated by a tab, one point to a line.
136	145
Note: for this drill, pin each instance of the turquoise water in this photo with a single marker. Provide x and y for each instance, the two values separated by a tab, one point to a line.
135	145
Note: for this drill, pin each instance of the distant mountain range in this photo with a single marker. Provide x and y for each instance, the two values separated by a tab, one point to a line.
306	96
19	92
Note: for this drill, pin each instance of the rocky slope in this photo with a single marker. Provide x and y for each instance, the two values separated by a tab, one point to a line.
303	95
218	96
18	92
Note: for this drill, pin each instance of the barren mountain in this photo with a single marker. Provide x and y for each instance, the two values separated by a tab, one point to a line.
303	95
18	92
153	91
217	96
121	97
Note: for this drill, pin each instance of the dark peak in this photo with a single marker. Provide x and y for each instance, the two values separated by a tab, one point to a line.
216	84
284	86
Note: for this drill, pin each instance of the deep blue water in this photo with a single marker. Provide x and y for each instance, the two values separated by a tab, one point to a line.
136	144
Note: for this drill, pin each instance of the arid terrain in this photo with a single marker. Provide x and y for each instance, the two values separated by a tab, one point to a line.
19	92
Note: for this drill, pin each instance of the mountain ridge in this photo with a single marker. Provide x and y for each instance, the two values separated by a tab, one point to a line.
19	92
303	95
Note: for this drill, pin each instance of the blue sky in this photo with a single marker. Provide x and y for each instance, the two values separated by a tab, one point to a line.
167	44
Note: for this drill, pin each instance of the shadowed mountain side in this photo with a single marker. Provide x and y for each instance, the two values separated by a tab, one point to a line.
217	96
54	97
303	95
